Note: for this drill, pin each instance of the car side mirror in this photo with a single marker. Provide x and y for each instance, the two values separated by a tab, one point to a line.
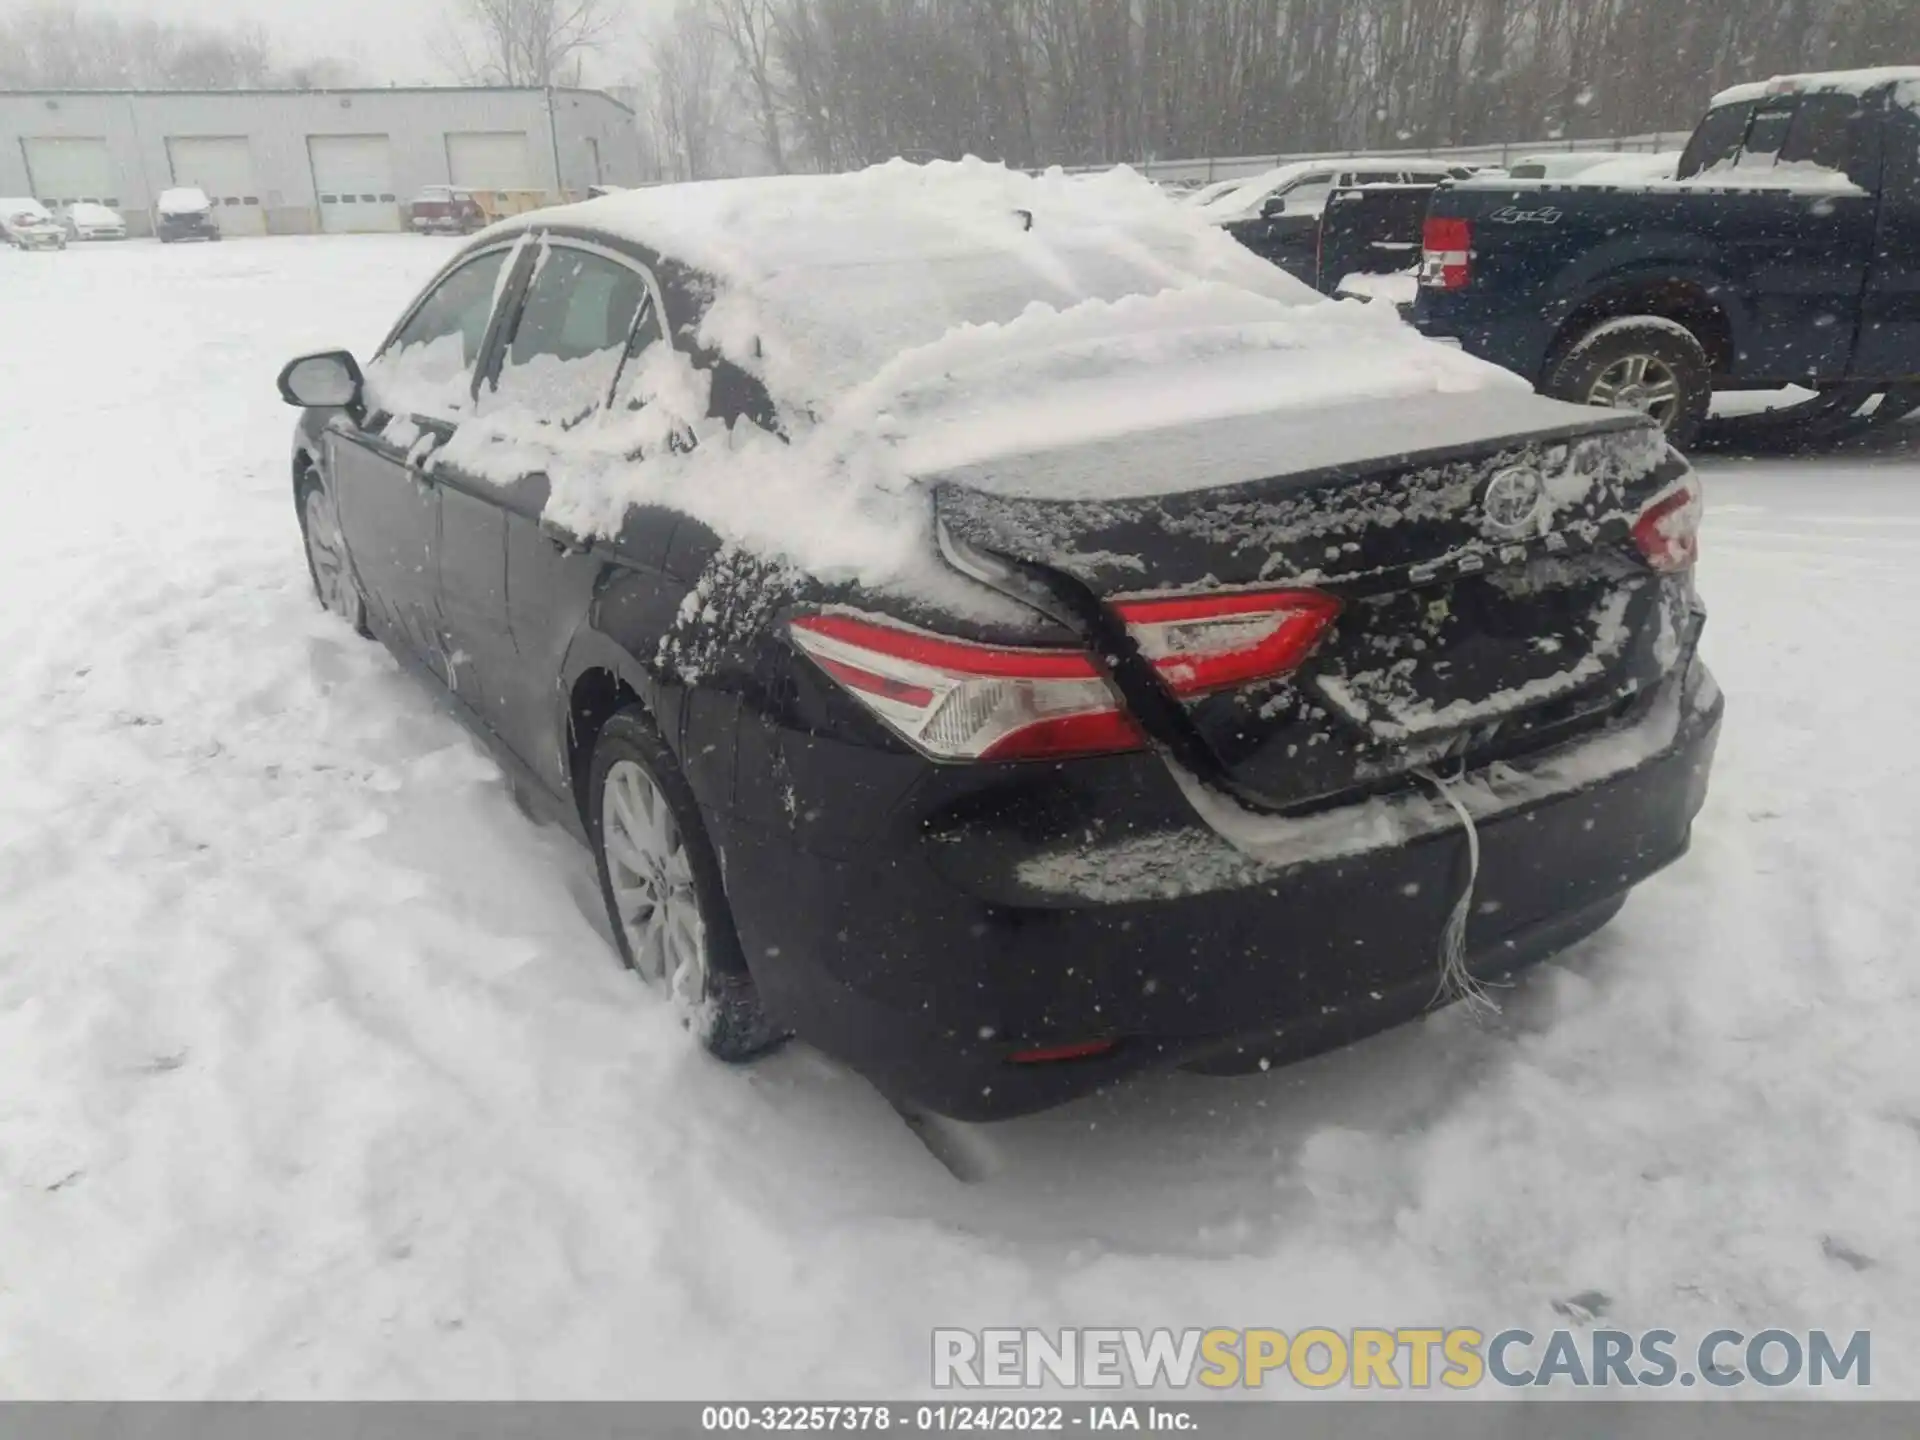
1276	205
329	380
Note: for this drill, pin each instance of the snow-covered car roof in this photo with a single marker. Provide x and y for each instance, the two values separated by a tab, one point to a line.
1213	190
906	320
10	206
184	198
1243	200
1842	82
92	213
821	282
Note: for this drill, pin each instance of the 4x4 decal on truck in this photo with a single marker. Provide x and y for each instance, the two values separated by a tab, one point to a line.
1514	215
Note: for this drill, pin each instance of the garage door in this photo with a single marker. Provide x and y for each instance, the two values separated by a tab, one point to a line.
67	168
353	182
221	165
490	160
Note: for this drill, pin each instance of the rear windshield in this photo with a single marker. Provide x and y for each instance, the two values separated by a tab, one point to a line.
1827	131
1718	139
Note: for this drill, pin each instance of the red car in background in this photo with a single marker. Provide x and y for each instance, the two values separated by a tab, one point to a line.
446	210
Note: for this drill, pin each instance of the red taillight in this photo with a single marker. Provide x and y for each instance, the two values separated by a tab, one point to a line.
1213	642
957	700
1668	530
1446	261
1053	1054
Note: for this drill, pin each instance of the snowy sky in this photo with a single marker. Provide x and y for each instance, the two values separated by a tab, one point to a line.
389	40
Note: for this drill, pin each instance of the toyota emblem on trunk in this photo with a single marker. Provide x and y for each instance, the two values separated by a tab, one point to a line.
1513	499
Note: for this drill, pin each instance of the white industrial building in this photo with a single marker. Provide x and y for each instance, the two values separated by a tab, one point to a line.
292	162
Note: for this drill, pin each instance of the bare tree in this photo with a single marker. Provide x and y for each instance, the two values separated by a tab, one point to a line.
524	42
839	83
689	87
747	28
60	46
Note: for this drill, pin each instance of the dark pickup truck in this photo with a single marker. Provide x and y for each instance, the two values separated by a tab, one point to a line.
1786	253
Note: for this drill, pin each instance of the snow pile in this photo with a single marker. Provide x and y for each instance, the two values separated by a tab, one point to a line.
906	320
1749	171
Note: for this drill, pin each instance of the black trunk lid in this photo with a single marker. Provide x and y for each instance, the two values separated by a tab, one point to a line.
1469	628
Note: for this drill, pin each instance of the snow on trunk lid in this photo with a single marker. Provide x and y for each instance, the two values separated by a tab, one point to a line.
1490	598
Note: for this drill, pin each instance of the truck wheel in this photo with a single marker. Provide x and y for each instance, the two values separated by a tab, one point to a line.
1640	362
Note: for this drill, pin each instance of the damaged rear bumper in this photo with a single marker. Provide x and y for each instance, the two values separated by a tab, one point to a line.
928	965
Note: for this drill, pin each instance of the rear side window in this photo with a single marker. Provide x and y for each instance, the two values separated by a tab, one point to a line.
647	348
1827	132
1766	135
571	337
1718	139
427	369
1833	132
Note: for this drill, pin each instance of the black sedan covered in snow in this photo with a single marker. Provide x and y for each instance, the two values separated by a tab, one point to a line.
1006	634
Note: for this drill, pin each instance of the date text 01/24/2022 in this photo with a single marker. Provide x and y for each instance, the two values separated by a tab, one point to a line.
947	1418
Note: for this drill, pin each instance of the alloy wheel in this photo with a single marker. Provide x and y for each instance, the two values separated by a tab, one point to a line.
650	872
1638	382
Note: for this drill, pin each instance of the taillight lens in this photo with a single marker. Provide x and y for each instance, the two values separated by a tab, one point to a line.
957	700
1446	260
1668	530
960	701
1202	643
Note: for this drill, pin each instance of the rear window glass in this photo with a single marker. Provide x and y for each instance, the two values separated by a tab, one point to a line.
1766	135
1825	132
1717	141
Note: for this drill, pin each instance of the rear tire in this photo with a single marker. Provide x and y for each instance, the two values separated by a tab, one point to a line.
1647	363
661	883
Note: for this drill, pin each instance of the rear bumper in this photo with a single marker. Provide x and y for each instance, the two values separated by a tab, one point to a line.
890	960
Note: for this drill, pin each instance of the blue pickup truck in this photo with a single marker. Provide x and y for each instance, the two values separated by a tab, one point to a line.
1786	253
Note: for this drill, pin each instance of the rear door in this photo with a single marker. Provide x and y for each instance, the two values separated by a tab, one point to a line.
419	391
514	588
1889	342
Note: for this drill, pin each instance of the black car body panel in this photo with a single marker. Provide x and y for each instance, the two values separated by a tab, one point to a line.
921	955
925	920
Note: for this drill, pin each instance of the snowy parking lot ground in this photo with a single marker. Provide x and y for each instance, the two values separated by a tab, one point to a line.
317	1078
